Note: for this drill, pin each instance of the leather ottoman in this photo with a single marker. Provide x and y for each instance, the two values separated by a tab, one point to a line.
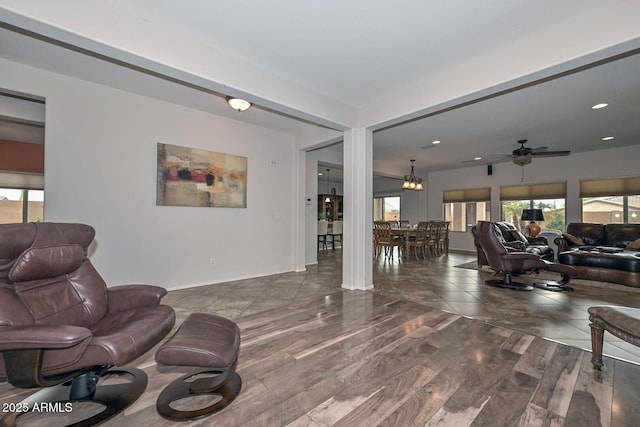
210	342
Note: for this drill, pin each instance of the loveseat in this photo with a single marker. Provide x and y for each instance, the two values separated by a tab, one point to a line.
604	252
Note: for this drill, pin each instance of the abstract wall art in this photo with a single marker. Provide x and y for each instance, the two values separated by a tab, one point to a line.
196	177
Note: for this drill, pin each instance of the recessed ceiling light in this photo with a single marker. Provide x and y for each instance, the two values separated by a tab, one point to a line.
599	106
477	158
607	138
436	142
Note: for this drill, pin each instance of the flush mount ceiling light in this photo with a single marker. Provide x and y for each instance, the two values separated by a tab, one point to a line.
411	182
599	106
436	142
238	104
607	138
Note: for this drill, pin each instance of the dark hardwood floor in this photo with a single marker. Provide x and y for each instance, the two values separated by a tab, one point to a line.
431	345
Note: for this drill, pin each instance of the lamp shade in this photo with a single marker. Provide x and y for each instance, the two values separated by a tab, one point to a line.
532	215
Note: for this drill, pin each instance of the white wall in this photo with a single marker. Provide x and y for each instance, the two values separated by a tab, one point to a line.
615	162
100	169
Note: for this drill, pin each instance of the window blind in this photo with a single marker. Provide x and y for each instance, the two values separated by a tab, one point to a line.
610	187
467	195
553	190
24	181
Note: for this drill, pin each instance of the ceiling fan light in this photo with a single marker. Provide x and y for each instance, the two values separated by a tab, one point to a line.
238	104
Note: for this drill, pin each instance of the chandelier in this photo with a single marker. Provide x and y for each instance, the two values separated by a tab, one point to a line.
411	182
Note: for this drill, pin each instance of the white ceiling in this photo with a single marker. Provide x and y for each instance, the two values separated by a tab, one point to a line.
355	51
360	52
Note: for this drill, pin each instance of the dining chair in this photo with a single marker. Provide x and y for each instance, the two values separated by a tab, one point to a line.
436	235
336	231
429	237
323	227
444	236
386	240
418	241
404	223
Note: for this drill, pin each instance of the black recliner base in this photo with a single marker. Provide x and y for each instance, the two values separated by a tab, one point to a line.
516	286
508	283
224	387
551	285
113	397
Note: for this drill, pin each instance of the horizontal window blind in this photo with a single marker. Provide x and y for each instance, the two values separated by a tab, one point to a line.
610	187
553	190
467	195
23	181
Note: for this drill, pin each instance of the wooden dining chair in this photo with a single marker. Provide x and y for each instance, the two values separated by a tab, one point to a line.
404	223
429	238
436	235
385	241
443	236
418	241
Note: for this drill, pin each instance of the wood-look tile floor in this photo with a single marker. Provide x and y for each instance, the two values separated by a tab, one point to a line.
431	345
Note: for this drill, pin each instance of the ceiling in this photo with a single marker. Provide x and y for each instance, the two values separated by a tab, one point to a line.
361	52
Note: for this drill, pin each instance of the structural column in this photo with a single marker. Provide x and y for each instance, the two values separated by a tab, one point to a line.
357	252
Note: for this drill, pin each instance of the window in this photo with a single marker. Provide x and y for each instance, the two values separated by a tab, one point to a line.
386	208
552	209
19	205
614	200
549	197
464	208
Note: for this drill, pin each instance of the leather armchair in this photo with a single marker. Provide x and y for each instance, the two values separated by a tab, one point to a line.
62	328
509	262
535	245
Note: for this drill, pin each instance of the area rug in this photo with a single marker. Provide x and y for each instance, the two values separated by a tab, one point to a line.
544	275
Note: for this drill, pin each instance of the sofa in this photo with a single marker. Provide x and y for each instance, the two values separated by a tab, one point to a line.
604	252
514	240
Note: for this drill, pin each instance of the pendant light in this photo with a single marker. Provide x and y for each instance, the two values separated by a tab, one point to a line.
411	182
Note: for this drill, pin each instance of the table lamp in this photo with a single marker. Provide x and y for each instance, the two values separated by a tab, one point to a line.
532	215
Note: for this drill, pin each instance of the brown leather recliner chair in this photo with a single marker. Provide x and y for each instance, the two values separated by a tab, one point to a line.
507	262
61	327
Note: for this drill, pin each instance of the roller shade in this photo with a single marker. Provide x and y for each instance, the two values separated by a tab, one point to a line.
467	195
23	181
553	190
610	187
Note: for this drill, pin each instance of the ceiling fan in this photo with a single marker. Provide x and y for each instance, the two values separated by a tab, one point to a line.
523	155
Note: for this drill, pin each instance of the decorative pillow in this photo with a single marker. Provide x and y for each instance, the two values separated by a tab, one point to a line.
634	245
40	263
575	241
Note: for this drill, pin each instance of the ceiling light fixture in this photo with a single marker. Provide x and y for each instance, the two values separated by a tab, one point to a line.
238	104
599	106
436	142
607	138
477	158
411	182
